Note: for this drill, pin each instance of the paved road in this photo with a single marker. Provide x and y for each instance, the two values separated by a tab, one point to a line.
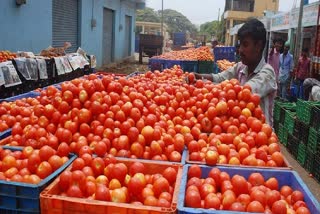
312	183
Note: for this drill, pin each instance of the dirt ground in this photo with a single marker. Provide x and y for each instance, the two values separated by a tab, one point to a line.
130	67
127	67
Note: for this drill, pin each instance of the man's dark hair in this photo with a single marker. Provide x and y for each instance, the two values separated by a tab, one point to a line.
279	40
254	29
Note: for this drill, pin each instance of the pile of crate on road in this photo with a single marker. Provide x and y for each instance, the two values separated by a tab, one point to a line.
297	126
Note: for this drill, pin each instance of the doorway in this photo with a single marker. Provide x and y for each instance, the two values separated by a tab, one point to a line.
108	36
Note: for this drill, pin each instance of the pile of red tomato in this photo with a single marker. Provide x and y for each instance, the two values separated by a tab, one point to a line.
256	194
150	116
118	181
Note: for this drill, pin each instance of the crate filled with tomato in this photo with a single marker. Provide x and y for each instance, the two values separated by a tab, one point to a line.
232	129
207	189
109	185
24	173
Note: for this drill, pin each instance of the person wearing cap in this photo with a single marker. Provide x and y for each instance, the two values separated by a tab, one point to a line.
285	71
252	70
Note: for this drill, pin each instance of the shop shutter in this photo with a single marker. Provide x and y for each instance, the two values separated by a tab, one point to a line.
65	23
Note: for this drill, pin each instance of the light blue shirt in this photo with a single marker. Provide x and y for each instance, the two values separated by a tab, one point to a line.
286	67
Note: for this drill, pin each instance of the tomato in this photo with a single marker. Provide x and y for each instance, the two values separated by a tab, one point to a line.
46	152
137	167
194	171
170	174
279	207
102	193
44	170
296	196
8	162
193	199
256	179
255	206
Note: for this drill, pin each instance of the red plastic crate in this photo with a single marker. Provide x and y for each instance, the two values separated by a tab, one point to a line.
53	203
286	166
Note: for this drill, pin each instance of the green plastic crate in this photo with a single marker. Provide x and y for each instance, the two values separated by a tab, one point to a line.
289	121
310	160
280	106
205	67
285	136
302	153
280	133
313	140
304	110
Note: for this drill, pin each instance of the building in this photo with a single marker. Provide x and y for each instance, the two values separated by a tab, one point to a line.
103	28
238	11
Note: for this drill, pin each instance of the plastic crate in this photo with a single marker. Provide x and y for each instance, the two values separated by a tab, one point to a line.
205	67
293	144
5	134
16	197
302	153
156	64
316	169
190	66
285	136
301	130
51	202
171	63
289	121
276	126
286	164
31	94
280	133
310	160
221	53
279	109
315	117
285	177
313	140
304	110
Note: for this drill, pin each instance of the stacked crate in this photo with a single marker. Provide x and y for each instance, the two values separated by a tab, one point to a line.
297	126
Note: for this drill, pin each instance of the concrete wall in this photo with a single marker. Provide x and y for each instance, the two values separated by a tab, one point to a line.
27	27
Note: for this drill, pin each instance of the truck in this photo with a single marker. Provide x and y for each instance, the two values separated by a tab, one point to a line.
150	45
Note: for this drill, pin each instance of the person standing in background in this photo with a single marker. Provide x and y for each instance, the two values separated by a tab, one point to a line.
302	72
285	71
274	57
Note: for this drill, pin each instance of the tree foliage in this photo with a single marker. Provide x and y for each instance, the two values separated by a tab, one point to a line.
147	15
213	28
175	21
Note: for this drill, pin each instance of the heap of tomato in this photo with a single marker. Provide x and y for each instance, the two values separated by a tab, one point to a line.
202	53
108	180
256	194
150	116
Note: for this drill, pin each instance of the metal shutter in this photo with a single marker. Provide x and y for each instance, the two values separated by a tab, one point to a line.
65	23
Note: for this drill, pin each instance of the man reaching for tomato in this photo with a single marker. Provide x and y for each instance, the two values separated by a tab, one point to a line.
252	70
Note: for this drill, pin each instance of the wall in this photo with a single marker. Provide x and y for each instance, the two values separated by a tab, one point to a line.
27	27
261	6
91	38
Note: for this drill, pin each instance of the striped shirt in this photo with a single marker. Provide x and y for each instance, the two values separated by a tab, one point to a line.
262	82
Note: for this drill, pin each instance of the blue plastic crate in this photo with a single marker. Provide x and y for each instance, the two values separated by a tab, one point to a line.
156	64
5	134
190	66
31	94
16	197
171	63
285	177
224	53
